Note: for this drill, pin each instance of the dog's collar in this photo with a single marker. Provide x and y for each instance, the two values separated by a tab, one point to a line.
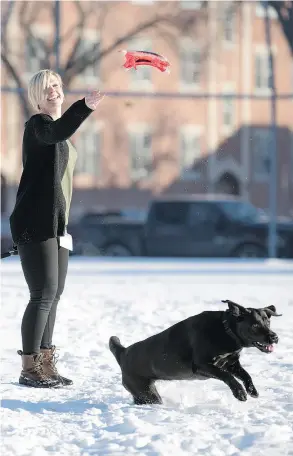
229	330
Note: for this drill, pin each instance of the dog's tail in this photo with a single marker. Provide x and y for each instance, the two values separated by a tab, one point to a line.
116	348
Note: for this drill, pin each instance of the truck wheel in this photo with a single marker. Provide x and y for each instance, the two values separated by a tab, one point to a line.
87	249
116	250
250	251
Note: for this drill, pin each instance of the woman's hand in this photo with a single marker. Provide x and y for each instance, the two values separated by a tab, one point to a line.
93	99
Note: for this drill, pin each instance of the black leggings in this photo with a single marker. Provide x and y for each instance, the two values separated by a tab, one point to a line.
44	265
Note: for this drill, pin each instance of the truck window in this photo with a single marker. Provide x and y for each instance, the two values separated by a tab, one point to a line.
201	213
173	213
241	211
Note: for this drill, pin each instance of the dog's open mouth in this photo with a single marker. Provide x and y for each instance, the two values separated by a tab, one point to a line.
263	347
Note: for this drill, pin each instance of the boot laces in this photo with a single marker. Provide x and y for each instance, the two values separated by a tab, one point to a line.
38	368
53	361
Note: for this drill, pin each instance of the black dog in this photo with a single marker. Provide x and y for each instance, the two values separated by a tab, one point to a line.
204	346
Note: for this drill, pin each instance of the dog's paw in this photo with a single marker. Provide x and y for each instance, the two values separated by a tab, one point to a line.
240	394
252	391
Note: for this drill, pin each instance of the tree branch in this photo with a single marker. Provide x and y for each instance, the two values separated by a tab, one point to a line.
14	74
74	68
79	27
284	10
4	21
167	20
26	25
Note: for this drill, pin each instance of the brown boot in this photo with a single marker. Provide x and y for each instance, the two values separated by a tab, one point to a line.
49	365
33	374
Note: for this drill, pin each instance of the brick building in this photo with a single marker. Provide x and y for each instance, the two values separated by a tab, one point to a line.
136	146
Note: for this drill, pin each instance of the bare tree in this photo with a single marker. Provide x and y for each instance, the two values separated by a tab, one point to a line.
165	21
284	10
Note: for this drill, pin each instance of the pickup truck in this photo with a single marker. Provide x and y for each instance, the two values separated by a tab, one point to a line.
187	226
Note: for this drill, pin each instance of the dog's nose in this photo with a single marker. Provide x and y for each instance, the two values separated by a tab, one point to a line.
273	338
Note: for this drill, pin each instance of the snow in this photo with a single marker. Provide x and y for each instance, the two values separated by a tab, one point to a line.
135	299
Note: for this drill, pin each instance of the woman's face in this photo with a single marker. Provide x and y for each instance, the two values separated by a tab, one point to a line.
53	96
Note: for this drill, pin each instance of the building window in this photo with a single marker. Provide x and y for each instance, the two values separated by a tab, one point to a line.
262	71
228	112
190	5
190	150
229	22
142	76
140	147
88	146
190	60
261	143
261	12
93	48
35	54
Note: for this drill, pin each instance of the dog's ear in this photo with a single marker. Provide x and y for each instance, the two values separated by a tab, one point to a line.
271	311
236	309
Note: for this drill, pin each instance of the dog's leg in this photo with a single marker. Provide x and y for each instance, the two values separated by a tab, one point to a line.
237	370
218	373
149	396
143	390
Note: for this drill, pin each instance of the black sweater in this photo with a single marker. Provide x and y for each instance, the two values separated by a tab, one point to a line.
40	208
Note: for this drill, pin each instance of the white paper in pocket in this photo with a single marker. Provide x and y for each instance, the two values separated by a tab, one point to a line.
66	241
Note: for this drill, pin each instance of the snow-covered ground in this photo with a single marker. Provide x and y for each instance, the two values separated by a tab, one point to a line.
133	300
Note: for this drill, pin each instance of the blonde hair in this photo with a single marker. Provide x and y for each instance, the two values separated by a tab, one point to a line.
37	85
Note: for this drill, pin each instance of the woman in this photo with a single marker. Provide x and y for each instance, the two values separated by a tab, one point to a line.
40	216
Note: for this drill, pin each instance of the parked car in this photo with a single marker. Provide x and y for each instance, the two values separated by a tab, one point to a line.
86	246
188	226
